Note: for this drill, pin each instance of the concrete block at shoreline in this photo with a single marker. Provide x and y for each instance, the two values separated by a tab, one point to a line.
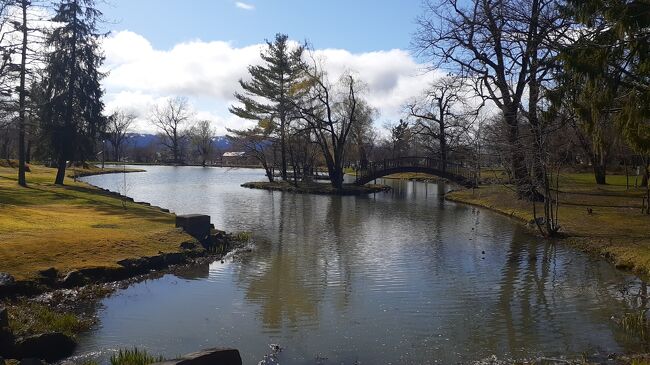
196	225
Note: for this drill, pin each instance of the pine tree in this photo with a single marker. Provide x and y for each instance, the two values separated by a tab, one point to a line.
613	59
71	116
268	96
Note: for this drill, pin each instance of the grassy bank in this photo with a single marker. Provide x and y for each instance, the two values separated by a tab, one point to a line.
602	219
75	226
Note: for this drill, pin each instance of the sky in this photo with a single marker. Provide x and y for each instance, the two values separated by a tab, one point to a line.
201	48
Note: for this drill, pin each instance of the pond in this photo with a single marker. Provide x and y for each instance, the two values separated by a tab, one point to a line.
396	277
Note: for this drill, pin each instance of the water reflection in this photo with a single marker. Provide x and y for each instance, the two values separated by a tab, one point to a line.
401	277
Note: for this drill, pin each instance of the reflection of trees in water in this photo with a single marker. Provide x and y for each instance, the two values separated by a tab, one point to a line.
536	282
289	275
320	246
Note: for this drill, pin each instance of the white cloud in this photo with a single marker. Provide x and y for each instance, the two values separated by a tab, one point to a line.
208	73
244	6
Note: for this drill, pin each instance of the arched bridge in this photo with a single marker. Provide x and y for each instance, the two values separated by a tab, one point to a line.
453	171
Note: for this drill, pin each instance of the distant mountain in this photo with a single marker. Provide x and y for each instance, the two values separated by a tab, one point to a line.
141	139
222	143
146	139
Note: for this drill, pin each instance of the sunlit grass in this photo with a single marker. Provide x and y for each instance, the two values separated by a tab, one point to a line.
74	226
605	219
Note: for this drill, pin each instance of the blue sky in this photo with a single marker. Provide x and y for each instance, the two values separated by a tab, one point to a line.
199	49
354	25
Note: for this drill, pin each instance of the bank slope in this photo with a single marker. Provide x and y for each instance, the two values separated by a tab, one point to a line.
75	226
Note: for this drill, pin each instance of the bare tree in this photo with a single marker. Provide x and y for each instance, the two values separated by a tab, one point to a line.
119	124
256	142
330	113
363	133
171	118
441	114
501	45
201	135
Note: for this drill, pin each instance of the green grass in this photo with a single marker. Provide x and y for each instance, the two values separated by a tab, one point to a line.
134	357
29	318
74	226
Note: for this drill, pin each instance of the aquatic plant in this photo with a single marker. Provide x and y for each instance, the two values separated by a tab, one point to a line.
243	236
636	324
134	357
29	318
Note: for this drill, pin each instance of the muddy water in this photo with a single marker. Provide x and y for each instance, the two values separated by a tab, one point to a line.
397	277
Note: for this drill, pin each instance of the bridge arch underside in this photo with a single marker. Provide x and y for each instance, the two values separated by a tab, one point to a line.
364	179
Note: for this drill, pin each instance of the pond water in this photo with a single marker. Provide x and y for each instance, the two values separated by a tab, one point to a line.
398	277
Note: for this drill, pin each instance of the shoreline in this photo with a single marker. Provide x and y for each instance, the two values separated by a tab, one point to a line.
89	286
627	253
316	188
44	313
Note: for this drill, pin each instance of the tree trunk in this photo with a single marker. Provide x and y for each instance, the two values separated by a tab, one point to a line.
600	171
21	113
28	152
283	148
61	165
443	147
517	159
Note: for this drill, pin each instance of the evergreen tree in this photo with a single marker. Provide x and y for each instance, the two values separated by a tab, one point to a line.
612	60
268	96
71	116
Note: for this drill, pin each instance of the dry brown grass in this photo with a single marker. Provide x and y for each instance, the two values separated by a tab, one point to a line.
74	226
615	228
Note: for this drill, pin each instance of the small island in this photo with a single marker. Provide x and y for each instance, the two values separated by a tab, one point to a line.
317	188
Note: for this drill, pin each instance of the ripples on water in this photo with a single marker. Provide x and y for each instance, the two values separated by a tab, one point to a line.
398	277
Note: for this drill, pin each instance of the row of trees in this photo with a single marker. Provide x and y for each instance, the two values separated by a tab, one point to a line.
553	69
532	84
51	96
50	80
299	113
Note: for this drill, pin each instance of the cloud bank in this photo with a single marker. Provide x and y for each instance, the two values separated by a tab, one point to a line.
208	73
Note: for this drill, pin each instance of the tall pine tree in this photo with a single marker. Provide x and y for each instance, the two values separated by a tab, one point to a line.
267	96
71	116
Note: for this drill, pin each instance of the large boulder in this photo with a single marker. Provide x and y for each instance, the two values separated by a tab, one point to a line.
6	281
196	225
208	357
48	346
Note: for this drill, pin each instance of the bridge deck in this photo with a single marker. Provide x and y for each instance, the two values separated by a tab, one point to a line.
454	171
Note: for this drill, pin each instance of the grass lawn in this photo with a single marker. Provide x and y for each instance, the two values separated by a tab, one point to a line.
74	226
615	228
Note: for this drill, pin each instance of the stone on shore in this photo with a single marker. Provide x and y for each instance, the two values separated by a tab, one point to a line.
208	357
50	347
196	225
6	280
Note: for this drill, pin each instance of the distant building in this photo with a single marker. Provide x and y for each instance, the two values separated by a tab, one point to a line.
237	159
